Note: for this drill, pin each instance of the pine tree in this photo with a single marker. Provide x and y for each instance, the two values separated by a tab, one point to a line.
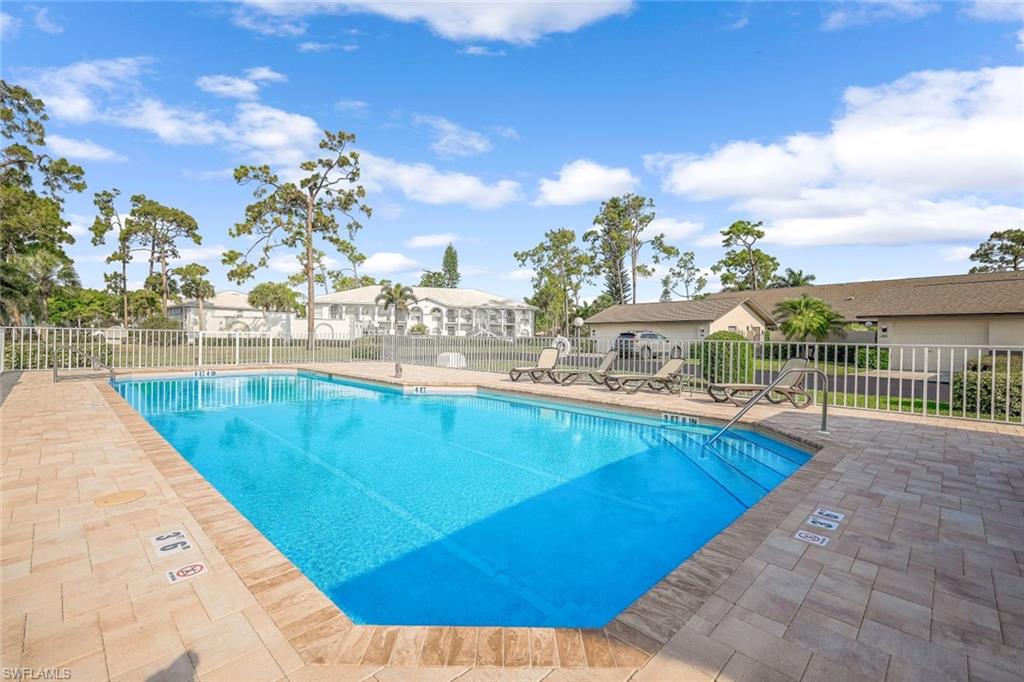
450	267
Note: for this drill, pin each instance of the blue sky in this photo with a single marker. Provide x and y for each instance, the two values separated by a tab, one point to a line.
875	140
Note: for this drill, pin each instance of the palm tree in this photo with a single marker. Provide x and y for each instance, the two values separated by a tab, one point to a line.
800	318
792	278
395	297
194	285
45	272
15	293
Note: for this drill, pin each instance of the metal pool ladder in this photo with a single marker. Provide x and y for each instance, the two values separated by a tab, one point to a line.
768	389
95	360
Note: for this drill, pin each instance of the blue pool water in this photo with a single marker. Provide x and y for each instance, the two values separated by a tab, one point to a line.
461	510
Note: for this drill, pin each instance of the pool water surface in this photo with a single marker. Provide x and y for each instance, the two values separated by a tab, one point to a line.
482	510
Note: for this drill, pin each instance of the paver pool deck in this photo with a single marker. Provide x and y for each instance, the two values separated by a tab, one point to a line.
922	581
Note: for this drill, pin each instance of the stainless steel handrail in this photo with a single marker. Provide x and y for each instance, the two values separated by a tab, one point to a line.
96	361
771	387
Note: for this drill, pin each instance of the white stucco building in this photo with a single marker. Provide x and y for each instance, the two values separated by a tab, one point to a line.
442	312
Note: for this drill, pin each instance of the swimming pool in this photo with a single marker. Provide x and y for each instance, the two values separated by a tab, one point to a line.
461	510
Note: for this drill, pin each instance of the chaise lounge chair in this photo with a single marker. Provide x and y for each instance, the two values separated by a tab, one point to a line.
790	388
597	375
668	378
546	362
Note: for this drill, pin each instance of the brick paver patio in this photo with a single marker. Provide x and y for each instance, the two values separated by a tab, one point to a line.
922	579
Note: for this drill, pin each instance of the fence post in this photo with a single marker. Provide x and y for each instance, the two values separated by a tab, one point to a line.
201	335
238	342
270	348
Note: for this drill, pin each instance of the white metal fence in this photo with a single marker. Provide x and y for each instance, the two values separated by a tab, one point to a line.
971	382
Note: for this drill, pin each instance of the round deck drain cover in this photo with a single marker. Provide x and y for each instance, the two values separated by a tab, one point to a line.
123	497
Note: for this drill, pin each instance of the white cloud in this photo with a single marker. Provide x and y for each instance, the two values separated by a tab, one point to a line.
741	168
873	215
425	183
864	12
673	229
584	180
9	26
228	86
995	10
314	46
288	263
71	92
451	139
388	263
928	157
79	226
482	51
274	135
511	22
80	149
45	23
519	275
956	254
240	88
265	73
422	241
174	125
199	254
742	22
356	107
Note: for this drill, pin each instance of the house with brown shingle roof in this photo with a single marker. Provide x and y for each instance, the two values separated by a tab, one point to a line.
975	309
684	319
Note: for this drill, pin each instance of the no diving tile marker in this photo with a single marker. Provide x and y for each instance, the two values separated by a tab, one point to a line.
195	569
829	514
812	538
819	522
824	519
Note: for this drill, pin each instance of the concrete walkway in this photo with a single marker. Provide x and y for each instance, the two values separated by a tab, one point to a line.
922	579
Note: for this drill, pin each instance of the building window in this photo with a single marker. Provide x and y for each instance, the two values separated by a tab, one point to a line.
732	328
335	312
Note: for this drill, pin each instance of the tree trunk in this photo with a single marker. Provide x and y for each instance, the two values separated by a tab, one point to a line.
310	279
124	291
163	282
201	315
632	263
753	268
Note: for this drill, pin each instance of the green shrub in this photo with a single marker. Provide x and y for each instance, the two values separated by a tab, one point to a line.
725	357
418	328
987	392
873	358
368	348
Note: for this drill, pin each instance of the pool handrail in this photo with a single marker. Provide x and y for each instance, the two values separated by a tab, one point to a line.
768	389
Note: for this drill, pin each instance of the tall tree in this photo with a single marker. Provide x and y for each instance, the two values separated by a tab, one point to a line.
560	268
808	317
450	267
194	285
1003	250
31	219
160	228
275	297
294	215
433	278
609	244
15	293
76	307
129	240
685	275
792	278
395	297
622	224
743	266
46	272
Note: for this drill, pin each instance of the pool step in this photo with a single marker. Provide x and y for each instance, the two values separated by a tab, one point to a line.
744	488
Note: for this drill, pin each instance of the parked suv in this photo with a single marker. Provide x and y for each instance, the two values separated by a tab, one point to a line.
647	344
